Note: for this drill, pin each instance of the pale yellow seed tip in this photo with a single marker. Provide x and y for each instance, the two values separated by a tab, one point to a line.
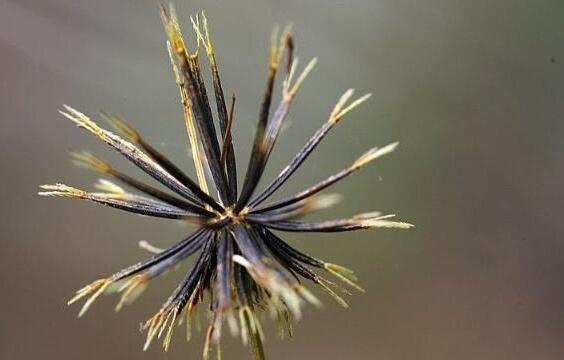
60	190
309	67
378	223
370	215
354	104
325	201
374	154
93	297
108	186
340	103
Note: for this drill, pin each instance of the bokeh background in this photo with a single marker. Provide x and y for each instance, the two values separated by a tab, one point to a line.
473	90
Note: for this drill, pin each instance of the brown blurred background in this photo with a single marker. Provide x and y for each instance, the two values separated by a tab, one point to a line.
473	90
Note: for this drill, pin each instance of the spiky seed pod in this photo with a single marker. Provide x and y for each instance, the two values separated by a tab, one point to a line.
241	265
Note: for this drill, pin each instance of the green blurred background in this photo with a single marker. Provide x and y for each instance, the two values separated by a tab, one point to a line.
473	90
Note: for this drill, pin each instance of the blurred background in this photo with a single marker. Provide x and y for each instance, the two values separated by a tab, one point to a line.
473	90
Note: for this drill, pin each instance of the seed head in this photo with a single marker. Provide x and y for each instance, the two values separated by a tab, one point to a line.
242	267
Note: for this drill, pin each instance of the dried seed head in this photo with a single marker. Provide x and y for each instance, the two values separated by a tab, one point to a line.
241	267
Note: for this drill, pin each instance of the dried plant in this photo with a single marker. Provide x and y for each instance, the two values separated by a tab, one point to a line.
243	266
